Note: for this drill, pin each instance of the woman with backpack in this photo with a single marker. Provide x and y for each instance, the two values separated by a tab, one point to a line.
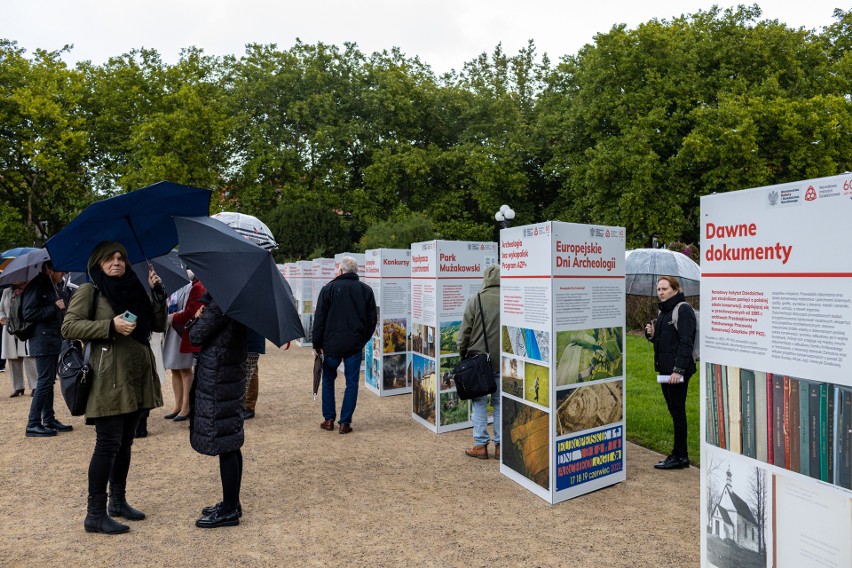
673	339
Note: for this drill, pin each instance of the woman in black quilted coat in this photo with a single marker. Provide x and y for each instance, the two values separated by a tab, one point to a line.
216	404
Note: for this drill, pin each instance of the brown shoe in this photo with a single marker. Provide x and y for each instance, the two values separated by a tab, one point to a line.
345	428
480	452
496	451
328	425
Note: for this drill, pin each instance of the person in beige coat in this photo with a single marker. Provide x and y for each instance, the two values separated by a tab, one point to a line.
15	351
124	377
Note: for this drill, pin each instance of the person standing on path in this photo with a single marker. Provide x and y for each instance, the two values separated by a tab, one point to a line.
216	406
44	305
344	320
256	348
15	350
673	357
125	381
472	340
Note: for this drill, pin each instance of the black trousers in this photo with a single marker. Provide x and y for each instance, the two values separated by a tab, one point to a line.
231	472
111	458
675	396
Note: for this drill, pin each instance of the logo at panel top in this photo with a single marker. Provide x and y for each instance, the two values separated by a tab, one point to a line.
607	233
591	231
772	198
810	194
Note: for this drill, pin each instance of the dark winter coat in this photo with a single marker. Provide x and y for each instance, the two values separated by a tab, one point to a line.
345	316
673	346
218	391
39	306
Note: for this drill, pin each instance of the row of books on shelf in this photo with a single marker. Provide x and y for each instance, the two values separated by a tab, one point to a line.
800	425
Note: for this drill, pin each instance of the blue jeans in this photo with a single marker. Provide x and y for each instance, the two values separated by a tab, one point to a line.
41	409
479	415
351	370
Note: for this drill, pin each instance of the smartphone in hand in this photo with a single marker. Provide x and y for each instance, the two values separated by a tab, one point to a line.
129	316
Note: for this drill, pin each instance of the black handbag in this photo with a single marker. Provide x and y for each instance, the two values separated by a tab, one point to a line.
75	375
473	375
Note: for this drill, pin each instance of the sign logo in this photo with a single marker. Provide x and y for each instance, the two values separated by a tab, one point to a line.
810	194
607	233
591	231
773	198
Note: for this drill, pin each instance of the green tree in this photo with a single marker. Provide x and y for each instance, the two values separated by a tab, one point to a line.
398	232
44	151
305	231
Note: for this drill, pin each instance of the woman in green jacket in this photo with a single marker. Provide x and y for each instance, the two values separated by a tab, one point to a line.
124	379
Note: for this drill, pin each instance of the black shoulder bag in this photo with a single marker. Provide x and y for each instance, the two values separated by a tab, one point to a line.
74	370
473	375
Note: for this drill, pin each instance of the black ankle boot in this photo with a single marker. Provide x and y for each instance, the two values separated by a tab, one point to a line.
97	520
118	506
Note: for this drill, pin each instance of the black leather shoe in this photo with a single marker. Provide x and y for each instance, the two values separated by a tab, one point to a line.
170	415
58	426
673	463
248	414
180	418
17	393
207	511
218	519
669	458
40	431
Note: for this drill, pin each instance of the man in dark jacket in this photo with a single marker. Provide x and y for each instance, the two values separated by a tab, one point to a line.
344	320
44	305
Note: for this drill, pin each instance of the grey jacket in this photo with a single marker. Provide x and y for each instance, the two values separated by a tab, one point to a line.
471	337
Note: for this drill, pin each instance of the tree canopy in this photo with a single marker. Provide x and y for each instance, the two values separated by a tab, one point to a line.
331	146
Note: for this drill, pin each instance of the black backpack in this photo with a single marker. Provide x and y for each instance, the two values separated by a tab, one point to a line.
17	325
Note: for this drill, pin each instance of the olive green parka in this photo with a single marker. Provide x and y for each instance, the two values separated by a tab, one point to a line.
124	374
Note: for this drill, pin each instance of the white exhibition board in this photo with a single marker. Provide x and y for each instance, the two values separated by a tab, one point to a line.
444	274
776	402
359	258
303	291
562	357
323	274
387	359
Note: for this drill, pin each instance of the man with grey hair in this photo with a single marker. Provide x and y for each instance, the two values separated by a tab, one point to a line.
344	320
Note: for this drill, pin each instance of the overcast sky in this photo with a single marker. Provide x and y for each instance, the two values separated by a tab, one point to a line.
443	33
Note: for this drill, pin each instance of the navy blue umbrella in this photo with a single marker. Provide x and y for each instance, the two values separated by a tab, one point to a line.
241	277
140	220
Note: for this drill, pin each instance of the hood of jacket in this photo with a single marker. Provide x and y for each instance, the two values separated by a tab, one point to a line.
491	277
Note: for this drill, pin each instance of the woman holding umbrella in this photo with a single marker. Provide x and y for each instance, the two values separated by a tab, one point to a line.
216	405
115	313
673	358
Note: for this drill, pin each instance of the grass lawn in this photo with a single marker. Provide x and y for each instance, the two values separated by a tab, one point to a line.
648	420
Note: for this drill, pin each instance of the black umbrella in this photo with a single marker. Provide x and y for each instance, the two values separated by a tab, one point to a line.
169	267
241	276
24	268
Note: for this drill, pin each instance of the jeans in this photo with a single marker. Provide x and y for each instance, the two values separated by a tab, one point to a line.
41	409
479	415
351	370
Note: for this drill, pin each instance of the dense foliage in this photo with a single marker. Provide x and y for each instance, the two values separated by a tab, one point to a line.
631	131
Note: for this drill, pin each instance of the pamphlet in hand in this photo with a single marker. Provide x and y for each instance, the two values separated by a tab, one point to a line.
666	378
